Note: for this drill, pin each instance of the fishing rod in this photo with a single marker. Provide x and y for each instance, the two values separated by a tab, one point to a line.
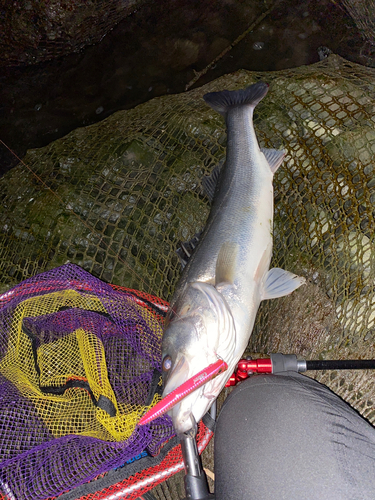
279	363
276	363
196	486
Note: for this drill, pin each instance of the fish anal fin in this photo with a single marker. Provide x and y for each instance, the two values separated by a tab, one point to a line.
264	263
226	263
278	283
274	158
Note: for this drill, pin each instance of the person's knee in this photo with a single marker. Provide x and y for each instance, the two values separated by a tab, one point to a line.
261	430
262	395
278	436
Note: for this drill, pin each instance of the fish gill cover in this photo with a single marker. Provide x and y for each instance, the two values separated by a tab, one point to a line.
124	193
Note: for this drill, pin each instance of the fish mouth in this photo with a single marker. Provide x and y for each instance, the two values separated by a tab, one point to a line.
176	376
181	413
175	397
183	395
183	418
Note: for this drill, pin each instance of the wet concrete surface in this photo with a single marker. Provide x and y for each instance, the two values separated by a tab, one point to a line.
164	47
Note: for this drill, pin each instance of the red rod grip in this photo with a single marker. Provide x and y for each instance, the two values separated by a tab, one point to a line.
255	365
246	366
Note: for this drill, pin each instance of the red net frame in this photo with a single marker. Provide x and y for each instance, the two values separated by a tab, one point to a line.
141	482
145	480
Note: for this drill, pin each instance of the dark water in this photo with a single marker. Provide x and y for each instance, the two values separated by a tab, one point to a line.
158	50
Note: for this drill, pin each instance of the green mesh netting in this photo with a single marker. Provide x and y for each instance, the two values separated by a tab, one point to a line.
124	192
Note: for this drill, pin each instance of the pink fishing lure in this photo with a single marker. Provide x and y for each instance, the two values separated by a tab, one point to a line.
183	390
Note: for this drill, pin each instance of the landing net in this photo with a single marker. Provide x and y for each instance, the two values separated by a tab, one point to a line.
79	365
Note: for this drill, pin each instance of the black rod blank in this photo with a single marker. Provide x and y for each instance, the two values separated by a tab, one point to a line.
340	364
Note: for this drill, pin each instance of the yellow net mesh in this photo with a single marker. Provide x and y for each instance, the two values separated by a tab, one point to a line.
77	356
79	365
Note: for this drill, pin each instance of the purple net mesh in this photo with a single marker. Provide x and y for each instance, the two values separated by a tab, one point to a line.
79	365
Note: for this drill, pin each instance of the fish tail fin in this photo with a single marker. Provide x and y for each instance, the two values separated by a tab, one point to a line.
227	99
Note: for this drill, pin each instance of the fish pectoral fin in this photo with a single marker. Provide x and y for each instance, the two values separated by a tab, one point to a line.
278	283
274	158
226	263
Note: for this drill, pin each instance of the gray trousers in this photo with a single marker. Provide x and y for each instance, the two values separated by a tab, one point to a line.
287	437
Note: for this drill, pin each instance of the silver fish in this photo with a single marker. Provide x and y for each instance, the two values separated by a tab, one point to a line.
215	304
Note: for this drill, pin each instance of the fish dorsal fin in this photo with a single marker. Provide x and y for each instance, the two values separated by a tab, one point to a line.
209	182
278	283
274	158
187	248
226	263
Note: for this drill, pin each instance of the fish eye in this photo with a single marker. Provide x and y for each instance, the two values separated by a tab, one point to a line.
167	363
